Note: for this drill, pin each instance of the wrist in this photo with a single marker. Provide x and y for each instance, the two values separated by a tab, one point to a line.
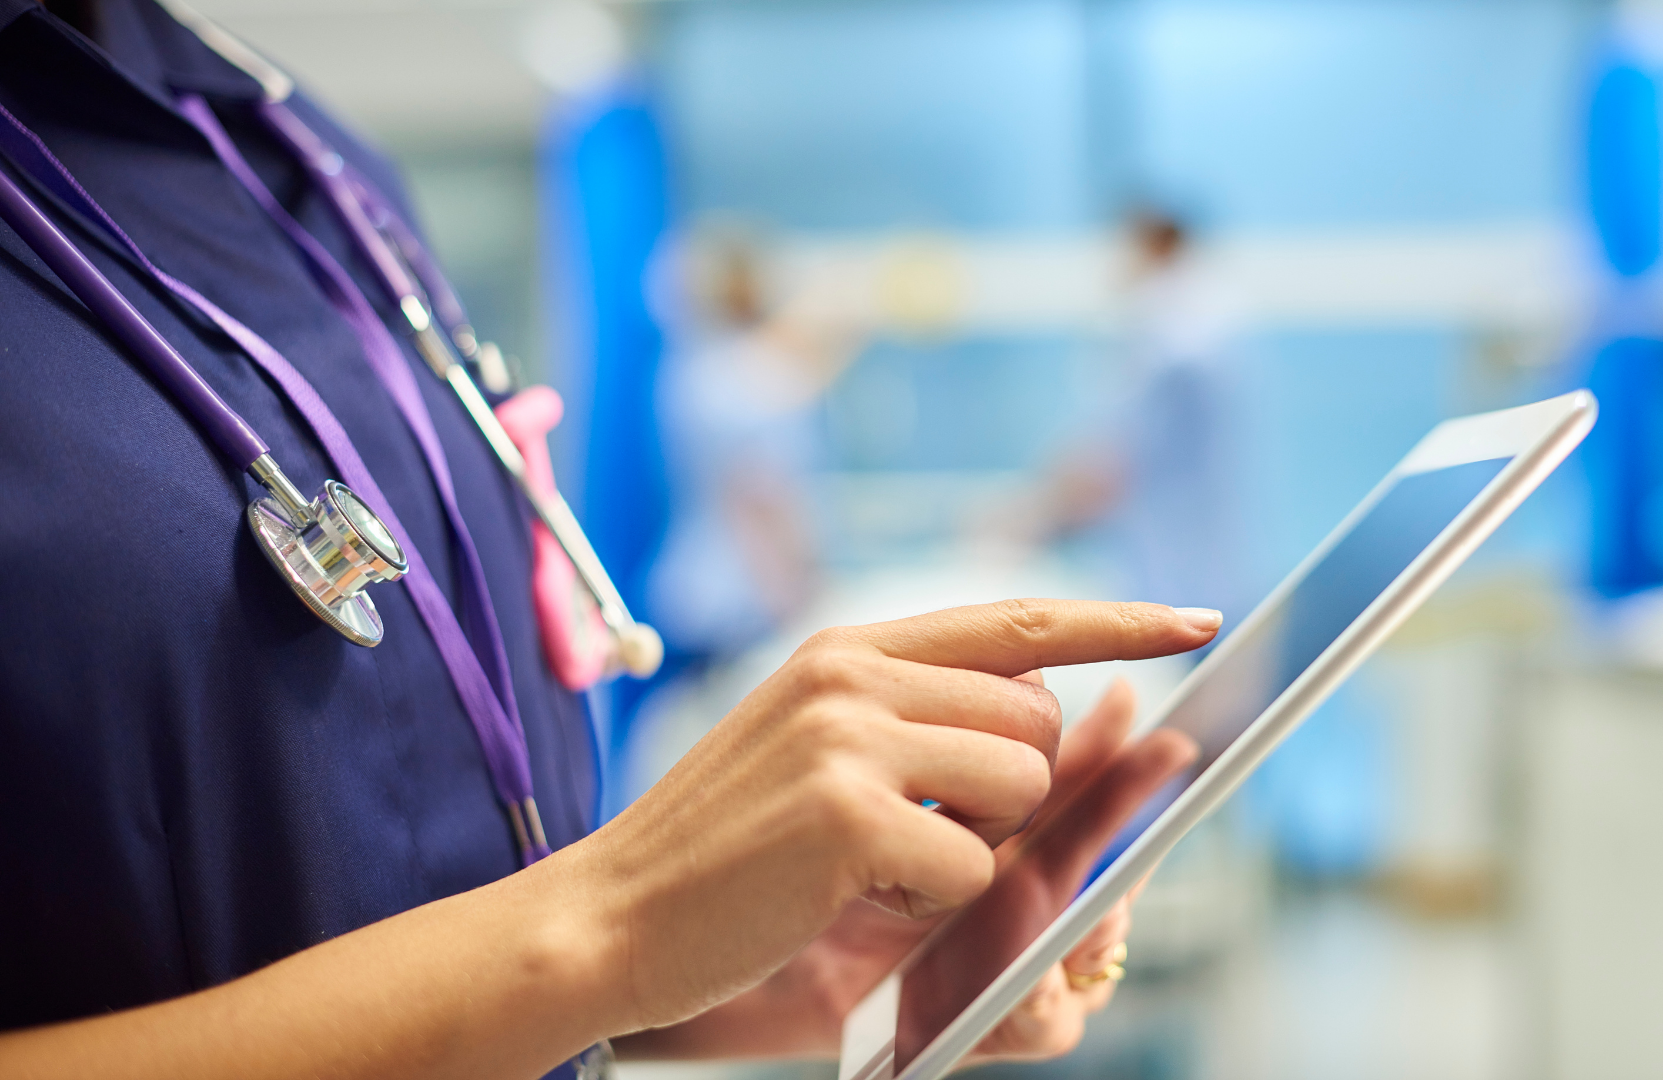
576	949
795	1013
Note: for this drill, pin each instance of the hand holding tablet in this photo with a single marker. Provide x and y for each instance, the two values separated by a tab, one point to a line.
1421	522
1101	780
809	796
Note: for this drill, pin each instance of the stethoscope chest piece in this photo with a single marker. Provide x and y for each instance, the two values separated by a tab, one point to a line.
329	558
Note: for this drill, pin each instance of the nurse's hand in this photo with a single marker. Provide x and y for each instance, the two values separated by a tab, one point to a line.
1100	780
802	801
807	796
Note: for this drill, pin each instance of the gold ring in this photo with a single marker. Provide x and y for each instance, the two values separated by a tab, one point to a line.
1112	973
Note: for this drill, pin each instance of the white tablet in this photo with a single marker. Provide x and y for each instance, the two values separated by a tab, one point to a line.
1378	566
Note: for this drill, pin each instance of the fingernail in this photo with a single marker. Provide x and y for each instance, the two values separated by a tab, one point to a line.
1118	954
1201	618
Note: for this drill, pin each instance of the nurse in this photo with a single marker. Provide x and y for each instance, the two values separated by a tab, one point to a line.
235	843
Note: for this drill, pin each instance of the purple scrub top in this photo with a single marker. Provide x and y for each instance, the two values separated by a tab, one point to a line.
197	777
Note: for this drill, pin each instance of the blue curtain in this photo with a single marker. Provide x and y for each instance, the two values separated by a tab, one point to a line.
607	195
1623	456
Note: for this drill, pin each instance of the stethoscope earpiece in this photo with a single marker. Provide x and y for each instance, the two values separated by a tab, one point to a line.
329	551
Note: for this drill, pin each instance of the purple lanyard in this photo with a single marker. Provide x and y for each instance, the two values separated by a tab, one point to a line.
365	212
493	714
413	282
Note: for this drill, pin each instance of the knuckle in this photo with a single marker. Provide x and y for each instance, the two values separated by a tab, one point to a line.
826	669
825	728
844	806
829	638
1027	626
1128	618
1140	623
1029	618
816	727
824	793
1036	717
1044	710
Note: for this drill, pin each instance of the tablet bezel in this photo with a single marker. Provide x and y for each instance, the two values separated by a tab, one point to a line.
1537	437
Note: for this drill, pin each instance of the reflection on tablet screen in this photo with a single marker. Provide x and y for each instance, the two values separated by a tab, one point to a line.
1039	885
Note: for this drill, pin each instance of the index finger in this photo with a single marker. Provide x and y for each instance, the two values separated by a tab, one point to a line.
1012	637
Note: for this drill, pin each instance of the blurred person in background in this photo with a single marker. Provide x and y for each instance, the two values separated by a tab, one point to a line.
1163	470
236	844
737	404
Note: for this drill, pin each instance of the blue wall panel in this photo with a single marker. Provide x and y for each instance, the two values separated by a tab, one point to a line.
866	114
1286	112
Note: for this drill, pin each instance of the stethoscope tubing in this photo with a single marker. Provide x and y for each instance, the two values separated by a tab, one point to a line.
229	431
640	649
388	259
489	709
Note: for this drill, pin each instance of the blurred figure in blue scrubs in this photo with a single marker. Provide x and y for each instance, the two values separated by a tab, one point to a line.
737	403
1162	470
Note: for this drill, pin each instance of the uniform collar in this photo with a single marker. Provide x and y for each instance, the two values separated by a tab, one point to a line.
146	47
12	10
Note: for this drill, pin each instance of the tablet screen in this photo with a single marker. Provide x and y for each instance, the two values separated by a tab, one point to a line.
1037	886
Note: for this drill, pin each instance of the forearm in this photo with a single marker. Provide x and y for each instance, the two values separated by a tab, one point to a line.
499	982
804	800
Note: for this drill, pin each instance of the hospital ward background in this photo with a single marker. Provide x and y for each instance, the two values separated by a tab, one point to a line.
862	308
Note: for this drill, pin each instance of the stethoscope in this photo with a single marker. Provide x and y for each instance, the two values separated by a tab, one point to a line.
332	547
329	548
